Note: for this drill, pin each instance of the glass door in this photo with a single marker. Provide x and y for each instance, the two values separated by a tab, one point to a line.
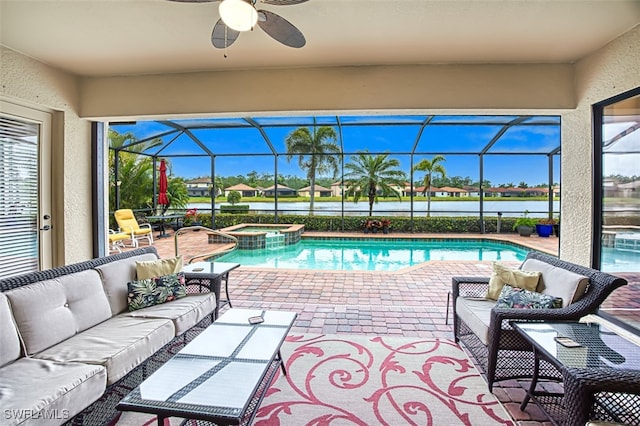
619	134
617	202
25	190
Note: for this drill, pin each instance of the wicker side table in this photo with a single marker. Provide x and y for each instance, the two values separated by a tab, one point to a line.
210	275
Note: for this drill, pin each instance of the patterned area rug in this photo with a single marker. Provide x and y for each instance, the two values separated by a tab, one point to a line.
365	380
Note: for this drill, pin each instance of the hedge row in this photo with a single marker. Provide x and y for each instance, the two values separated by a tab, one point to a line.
237	208
437	224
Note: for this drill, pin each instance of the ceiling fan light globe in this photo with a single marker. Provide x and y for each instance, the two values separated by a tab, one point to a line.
238	14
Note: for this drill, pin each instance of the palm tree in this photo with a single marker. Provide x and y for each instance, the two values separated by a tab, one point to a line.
316	152
369	175
431	167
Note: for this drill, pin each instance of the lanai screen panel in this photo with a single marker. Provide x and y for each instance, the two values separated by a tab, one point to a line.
380	134
529	139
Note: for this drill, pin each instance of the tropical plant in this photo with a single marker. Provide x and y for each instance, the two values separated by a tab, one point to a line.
316	151
135	174
525	220
217	188
546	221
234	197
431	167
177	192
370	175
192	217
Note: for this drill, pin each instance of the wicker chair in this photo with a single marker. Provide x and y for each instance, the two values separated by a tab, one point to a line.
506	355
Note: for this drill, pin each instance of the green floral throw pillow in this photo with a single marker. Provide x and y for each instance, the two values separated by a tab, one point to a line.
156	290
514	297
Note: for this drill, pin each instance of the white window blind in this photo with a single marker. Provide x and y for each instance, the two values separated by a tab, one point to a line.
19	251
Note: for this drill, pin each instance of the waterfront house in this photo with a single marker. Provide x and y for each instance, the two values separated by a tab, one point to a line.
282	190
320	191
243	189
199	187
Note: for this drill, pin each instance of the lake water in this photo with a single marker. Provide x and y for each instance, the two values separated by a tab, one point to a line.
402	208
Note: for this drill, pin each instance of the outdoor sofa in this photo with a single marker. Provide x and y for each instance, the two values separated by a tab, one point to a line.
485	329
70	349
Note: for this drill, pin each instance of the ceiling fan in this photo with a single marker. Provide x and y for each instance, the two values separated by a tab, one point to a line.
237	16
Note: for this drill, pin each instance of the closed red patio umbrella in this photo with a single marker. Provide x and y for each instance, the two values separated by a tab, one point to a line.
162	185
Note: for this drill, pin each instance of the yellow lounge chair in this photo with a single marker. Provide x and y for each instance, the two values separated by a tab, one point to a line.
128	224
116	240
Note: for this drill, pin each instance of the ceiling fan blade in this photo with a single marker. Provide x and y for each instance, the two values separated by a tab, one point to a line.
283	2
280	29
223	36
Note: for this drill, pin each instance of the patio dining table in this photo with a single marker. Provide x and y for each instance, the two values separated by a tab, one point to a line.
162	219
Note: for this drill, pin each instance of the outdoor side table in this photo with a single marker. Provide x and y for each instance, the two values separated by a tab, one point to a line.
601	377
211	275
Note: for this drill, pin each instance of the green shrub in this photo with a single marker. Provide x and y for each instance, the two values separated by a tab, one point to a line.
237	209
438	224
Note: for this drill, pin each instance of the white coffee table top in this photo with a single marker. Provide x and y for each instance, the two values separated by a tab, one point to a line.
216	375
210	267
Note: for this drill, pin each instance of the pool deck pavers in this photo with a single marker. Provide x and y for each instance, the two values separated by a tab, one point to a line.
410	302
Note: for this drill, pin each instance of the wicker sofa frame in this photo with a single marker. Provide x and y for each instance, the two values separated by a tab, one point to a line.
508	355
103	411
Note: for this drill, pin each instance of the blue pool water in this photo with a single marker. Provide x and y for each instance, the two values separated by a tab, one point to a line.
616	260
373	255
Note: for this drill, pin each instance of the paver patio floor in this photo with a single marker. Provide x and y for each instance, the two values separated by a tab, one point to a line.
410	302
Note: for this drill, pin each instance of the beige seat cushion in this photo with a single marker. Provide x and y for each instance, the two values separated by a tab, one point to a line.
119	344
10	349
48	312
116	275
476	314
184	312
58	391
514	277
558	282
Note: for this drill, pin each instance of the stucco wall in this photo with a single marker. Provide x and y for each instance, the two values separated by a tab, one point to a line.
411	87
33	84
612	70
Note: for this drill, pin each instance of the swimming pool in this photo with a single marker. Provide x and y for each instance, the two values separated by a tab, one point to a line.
616	260
373	254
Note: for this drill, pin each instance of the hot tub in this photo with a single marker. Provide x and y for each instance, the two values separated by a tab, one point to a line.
259	235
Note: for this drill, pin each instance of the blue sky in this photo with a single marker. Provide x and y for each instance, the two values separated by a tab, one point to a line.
459	138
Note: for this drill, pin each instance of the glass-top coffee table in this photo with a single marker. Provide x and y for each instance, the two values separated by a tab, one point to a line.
221	376
599	371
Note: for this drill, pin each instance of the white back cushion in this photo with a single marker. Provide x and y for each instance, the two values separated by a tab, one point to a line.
116	275
9	340
51	311
558	282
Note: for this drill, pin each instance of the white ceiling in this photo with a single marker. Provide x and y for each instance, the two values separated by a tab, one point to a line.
125	37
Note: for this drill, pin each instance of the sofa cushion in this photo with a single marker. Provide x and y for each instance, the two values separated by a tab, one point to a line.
185	312
155	291
157	268
504	275
116	275
558	282
119	344
513	297
476	313
50	311
39	392
10	349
